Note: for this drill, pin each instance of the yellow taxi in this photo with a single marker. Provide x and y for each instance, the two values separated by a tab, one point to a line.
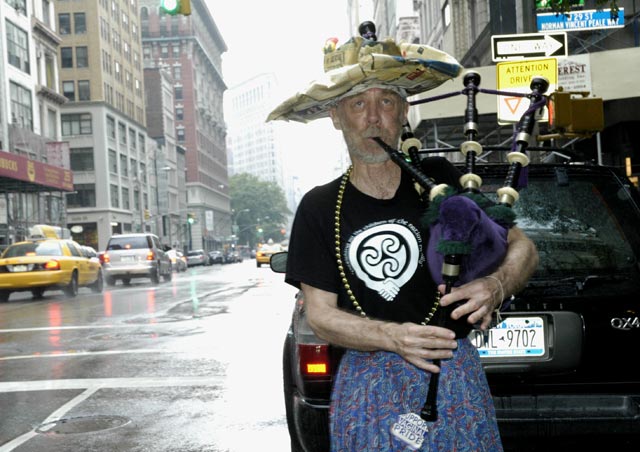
264	253
42	264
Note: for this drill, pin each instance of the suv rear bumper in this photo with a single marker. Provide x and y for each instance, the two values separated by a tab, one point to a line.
582	415
312	425
139	269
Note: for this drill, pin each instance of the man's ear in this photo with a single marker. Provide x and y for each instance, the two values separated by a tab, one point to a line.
335	119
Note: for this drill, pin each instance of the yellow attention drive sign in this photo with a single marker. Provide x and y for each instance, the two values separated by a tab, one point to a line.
516	76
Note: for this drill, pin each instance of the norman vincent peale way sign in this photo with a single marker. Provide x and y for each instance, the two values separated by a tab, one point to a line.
532	45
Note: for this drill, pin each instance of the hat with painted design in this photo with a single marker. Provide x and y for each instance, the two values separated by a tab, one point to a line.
364	62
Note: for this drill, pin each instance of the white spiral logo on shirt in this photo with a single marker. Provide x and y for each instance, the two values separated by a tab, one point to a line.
385	257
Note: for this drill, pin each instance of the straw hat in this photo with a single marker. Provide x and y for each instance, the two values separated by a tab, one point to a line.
364	62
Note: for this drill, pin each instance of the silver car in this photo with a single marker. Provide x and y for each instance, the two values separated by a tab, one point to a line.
131	256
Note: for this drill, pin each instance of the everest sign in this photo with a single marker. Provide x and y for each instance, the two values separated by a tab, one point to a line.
590	19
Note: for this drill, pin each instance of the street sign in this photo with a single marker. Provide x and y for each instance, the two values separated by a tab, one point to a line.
532	45
516	76
590	19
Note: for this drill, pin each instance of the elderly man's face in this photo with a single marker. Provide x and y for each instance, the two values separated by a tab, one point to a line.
374	113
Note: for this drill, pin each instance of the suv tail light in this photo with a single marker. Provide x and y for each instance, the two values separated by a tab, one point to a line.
104	258
314	360
151	256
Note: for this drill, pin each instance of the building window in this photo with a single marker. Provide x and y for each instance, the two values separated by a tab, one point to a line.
126	202
115	198
179	113
111	127
84	196
446	14
122	133
84	90
19	5
21	106
113	162
69	90
80	23
81	159
66	57
142	143
164	51
18	47
177	72
46	12
76	124
64	23
180	135
49	66
82	56
178	93
133	165
132	139
124	168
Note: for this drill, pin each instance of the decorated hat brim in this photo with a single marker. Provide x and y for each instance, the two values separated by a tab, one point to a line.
421	69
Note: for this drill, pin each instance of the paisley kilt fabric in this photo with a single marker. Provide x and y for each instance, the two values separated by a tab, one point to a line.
373	389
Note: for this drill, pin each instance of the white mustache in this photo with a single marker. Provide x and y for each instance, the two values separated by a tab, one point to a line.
372	132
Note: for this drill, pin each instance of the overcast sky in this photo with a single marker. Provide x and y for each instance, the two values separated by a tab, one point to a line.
285	37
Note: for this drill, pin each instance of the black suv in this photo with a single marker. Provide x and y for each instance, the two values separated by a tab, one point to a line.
577	376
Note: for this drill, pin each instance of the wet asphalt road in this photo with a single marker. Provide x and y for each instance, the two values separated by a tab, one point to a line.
189	365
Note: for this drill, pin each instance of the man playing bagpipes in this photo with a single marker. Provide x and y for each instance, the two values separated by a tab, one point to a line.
358	251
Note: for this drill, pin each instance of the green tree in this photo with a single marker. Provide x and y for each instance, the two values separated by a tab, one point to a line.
255	205
564	6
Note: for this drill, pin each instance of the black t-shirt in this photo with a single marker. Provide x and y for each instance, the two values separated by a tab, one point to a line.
382	247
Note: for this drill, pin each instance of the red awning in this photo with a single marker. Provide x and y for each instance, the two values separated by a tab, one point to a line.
18	173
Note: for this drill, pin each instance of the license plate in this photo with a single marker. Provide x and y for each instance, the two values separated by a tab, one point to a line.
513	337
19	268
128	258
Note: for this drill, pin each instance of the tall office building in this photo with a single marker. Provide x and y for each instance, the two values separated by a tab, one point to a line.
252	141
104	121
191	47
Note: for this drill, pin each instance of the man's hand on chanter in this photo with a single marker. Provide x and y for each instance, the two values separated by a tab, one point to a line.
419	344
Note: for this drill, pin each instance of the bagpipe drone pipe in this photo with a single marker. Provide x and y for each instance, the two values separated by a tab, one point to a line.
467	231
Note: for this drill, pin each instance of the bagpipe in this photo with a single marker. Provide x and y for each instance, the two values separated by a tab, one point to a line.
467	231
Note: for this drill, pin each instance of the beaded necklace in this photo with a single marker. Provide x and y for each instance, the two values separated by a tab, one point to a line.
343	275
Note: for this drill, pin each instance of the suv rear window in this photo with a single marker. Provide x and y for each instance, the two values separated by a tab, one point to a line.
128	243
575	223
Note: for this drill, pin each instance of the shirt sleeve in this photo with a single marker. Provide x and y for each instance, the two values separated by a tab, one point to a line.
311	258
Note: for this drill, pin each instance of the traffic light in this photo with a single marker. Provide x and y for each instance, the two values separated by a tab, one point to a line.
191	218
147	214
577	115
174	7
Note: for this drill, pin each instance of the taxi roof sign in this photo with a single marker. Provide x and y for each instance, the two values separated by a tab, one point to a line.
516	76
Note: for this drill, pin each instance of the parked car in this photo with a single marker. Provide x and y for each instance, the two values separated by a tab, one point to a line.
232	257
216	257
130	256
575	377
197	257
48	264
178	260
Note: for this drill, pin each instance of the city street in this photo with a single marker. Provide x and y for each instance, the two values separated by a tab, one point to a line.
189	365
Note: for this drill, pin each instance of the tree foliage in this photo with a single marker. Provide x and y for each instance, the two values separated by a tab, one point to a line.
564	6
257	204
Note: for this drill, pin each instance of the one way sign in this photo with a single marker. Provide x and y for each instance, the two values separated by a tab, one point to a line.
533	45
